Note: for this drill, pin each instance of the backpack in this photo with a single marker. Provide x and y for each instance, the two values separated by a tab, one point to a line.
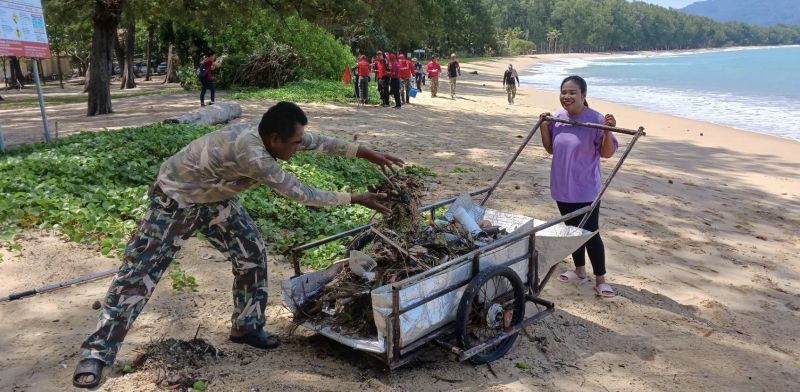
202	72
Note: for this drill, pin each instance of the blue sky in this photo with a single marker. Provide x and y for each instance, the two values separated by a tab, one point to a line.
671	3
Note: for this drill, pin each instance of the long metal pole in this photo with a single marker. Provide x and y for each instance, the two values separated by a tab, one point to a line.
60	285
513	159
41	100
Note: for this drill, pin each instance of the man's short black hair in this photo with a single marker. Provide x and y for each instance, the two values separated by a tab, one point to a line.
281	119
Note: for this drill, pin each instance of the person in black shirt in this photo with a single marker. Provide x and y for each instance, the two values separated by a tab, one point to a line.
510	82
453	72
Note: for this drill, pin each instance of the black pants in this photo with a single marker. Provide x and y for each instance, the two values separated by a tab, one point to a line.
395	89
595	247
383	89
208	85
355	85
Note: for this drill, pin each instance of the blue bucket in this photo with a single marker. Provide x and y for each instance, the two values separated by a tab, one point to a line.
412	92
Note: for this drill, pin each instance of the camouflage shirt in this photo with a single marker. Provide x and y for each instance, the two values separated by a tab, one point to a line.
222	164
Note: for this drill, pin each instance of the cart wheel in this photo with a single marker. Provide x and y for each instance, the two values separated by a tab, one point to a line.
359	242
493	301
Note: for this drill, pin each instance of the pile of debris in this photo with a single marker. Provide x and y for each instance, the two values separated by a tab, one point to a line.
401	245
177	364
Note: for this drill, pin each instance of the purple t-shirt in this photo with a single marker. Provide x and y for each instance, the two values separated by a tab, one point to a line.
575	170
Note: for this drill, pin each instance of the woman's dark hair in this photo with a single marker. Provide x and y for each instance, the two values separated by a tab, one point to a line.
281	119
581	85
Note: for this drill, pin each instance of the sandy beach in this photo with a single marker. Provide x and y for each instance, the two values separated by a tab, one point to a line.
701	228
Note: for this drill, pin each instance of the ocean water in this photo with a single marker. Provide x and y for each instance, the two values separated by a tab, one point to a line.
753	89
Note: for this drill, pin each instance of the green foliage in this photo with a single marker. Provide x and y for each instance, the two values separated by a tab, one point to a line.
180	279
188	77
199	385
92	188
520	46
522	365
308	91
128	369
322	56
325	255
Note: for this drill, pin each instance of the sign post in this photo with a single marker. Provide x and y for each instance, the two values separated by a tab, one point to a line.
23	34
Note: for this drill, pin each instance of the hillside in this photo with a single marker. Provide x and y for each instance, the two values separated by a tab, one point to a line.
748	11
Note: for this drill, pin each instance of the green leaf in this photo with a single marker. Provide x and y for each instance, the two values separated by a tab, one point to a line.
199	385
522	365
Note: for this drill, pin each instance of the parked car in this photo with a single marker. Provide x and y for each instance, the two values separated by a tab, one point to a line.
162	68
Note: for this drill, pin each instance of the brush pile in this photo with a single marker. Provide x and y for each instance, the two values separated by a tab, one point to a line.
402	244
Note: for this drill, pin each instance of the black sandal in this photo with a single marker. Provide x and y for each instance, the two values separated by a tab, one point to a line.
258	339
88	366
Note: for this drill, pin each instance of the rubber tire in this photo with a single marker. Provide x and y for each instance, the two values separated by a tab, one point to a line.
360	242
464	308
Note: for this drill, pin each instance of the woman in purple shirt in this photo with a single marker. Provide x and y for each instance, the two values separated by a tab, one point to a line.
575	173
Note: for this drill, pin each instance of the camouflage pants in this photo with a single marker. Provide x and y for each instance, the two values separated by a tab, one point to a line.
161	233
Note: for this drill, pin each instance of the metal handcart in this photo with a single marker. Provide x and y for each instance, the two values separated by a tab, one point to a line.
473	305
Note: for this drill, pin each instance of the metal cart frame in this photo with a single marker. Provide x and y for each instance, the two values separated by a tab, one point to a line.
534	284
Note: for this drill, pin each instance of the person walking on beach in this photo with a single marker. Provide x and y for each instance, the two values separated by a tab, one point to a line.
419	75
394	83
196	189
510	82
206	76
434	69
406	71
575	173
382	74
362	80
453	72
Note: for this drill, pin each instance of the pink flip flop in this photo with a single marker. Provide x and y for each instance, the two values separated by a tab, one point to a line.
605	290
570	276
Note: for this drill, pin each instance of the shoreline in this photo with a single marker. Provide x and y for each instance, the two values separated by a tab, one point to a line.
531	61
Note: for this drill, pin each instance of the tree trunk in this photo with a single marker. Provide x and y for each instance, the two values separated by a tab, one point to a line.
86	80
151	32
172	71
105	20
17	78
129	40
60	72
5	80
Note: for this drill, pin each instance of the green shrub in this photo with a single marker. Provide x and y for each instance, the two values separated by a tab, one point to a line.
308	91
321	55
520	46
92	188
188	78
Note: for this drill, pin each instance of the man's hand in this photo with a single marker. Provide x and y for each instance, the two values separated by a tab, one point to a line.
379	158
371	201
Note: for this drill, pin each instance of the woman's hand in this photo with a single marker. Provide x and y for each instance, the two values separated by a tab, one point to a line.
547	140
610	120
371	201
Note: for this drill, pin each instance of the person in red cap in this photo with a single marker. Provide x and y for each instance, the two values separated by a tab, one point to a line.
434	69
363	69
382	74
406	71
394	67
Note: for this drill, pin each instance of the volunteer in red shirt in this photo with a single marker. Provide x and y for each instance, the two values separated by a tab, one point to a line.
363	69
395	80
382	74
208	82
406	71
434	69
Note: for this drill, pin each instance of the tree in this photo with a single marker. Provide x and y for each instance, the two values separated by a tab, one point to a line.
127	43
105	20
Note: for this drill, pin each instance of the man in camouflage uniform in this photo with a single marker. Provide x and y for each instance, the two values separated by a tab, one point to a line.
195	190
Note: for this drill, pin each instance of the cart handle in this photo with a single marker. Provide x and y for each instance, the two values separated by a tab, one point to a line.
637	133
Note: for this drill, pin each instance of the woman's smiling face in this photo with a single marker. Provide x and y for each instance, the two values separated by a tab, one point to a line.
572	98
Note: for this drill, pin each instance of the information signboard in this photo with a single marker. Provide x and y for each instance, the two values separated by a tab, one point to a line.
22	29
